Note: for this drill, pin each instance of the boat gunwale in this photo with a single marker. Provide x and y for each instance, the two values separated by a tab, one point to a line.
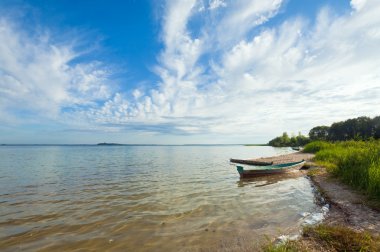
250	162
282	166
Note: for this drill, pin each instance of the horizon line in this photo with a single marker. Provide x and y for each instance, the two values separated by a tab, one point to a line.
117	144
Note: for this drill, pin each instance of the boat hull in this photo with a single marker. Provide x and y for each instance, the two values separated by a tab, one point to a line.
259	173
255	171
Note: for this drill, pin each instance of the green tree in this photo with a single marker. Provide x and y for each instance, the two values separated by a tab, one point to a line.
337	132
361	128
376	127
302	140
319	133
285	138
286	141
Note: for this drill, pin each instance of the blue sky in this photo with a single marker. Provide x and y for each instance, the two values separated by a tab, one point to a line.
174	72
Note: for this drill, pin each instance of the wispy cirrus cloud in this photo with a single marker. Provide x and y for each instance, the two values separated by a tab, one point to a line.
189	86
222	71
38	76
291	76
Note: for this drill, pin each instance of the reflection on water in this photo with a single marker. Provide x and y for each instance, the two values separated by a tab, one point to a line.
125	198
267	179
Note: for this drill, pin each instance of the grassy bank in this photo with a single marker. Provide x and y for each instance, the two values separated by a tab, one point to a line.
356	163
328	238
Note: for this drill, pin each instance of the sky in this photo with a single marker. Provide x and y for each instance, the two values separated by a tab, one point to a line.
184	72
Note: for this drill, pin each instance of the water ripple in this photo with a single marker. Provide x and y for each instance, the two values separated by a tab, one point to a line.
140	198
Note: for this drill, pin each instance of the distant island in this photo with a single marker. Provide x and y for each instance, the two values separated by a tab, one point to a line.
256	144
112	144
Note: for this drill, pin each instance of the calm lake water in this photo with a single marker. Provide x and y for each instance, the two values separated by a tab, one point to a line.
142	198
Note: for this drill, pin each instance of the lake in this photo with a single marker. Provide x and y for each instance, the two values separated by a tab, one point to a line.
143	198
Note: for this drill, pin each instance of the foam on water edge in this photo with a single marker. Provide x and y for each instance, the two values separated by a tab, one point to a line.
308	219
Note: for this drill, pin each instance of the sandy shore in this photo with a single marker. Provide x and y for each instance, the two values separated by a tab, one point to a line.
293	157
347	207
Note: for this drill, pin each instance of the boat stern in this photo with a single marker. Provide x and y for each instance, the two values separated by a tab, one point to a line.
240	170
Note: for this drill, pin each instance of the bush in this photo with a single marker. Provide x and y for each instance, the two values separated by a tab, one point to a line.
316	146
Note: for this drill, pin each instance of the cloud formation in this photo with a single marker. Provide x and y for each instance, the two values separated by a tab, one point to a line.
222	71
292	76
38	77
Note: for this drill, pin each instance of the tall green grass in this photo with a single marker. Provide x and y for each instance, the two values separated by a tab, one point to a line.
316	146
357	163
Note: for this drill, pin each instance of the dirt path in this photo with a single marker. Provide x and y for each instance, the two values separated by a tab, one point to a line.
347	206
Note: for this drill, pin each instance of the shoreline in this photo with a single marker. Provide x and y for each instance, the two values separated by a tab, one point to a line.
349	210
347	206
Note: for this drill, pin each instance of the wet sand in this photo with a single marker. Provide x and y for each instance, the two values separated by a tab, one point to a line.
347	207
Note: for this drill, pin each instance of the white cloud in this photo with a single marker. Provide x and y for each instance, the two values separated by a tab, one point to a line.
358	4
224	79
215	4
36	75
290	77
241	17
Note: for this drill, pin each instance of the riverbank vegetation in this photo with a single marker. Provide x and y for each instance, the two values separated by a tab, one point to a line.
360	128
350	151
356	163
328	238
286	141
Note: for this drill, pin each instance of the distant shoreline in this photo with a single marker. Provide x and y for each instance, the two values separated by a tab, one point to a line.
116	144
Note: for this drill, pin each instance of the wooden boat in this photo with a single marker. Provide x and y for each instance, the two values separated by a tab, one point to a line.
250	162
296	148
255	171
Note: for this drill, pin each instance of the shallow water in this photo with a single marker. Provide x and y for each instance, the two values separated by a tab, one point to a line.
142	198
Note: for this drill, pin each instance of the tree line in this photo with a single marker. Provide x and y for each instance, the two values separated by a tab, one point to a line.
285	140
361	128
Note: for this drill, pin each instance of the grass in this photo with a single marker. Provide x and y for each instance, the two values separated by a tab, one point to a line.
328	238
316	146
356	163
289	246
339	238
314	172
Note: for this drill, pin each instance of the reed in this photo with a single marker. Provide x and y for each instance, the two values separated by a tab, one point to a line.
357	163
316	146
